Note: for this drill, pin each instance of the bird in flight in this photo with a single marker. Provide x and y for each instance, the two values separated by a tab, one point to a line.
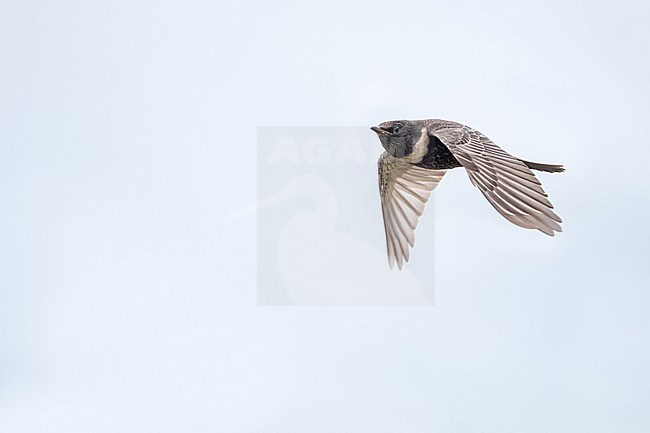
417	155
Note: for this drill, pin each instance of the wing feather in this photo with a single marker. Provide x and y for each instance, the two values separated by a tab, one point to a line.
507	182
404	189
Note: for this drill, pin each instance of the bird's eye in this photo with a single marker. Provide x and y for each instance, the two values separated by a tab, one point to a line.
396	129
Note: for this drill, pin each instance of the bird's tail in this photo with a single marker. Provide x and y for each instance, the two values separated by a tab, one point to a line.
550	168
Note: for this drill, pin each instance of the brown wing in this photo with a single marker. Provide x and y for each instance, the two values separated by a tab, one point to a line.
504	180
404	190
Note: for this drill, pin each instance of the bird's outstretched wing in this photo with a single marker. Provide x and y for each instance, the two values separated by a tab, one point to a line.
504	180
404	190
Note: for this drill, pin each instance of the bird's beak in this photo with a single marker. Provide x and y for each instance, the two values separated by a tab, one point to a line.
379	131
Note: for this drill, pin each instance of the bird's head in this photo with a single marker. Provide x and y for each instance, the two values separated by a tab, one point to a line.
398	136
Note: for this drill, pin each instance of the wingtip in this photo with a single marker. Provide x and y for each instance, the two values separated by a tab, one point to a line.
392	261
550	231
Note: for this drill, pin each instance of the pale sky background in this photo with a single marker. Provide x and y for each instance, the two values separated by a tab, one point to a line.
127	129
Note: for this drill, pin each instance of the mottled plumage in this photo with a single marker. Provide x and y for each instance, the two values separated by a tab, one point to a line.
418	153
